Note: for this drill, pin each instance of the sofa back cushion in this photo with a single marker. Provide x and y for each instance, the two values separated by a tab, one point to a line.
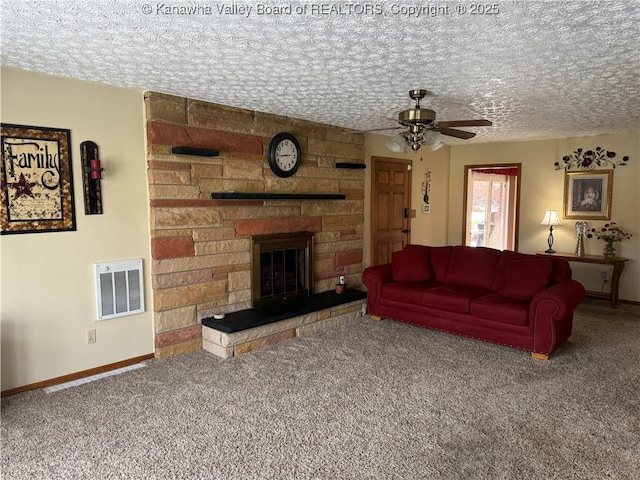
523	278
507	256
440	257
473	266
411	264
561	270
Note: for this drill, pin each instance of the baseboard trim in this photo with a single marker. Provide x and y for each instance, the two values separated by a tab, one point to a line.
630	302
78	375
621	300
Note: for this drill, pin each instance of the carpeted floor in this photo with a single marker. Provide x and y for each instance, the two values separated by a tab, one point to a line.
366	400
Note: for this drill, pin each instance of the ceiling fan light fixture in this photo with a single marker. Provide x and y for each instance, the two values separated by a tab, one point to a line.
433	140
436	146
397	144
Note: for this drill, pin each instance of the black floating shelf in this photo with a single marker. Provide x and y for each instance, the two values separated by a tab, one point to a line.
276	196
200	152
351	165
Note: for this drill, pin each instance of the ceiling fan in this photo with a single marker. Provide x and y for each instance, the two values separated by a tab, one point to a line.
422	128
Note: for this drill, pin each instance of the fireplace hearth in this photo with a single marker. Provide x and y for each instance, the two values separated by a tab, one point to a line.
277	312
285	304
281	267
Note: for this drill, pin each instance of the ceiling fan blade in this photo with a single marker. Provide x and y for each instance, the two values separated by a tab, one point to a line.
372	130
456	133
465	123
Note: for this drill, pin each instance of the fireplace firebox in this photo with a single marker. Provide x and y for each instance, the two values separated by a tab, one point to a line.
281	267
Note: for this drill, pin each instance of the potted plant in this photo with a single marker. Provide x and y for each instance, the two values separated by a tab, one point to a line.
611	233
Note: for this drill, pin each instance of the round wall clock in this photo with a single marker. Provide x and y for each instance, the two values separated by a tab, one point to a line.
284	155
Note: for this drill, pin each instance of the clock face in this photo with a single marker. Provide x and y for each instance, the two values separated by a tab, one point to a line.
284	155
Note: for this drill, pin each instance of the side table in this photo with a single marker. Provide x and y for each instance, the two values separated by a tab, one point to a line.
616	262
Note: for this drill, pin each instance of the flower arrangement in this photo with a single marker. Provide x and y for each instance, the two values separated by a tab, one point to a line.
590	159
610	233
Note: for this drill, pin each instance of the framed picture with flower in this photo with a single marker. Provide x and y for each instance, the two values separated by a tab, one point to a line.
36	181
587	195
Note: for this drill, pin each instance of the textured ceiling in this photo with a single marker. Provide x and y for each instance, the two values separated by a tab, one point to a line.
537	69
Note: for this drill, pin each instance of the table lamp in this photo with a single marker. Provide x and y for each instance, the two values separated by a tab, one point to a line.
551	219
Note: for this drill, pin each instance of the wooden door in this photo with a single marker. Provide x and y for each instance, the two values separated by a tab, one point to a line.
390	207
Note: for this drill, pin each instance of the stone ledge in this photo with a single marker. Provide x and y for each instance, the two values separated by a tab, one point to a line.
256	317
227	345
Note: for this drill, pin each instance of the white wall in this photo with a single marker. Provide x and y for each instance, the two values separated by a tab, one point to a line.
543	189
47	286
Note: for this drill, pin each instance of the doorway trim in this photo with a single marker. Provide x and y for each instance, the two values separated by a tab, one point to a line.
516	226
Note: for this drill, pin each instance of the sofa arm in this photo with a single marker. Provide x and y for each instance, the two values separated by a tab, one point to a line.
551	312
565	297
374	278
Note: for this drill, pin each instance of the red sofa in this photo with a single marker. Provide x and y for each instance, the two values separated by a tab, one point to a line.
512	299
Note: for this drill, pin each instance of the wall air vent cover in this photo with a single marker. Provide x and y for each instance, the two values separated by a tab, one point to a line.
119	288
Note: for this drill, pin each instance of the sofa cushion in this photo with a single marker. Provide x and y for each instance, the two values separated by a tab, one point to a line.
473	266
452	298
405	292
524	278
501	309
440	257
561	270
411	264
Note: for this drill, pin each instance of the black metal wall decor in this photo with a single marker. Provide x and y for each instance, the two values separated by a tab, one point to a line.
582	159
91	176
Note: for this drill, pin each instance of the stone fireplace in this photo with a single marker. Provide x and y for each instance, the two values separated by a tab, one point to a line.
281	267
201	247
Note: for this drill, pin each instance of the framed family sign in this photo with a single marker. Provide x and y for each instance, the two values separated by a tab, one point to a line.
587	195
36	180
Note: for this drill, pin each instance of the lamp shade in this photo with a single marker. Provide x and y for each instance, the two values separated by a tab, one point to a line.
551	218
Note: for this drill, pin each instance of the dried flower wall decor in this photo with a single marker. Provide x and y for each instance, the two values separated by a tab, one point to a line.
590	159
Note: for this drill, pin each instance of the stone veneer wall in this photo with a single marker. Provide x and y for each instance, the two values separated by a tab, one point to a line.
200	247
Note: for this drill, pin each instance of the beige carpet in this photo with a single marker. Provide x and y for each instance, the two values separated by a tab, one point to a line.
366	400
